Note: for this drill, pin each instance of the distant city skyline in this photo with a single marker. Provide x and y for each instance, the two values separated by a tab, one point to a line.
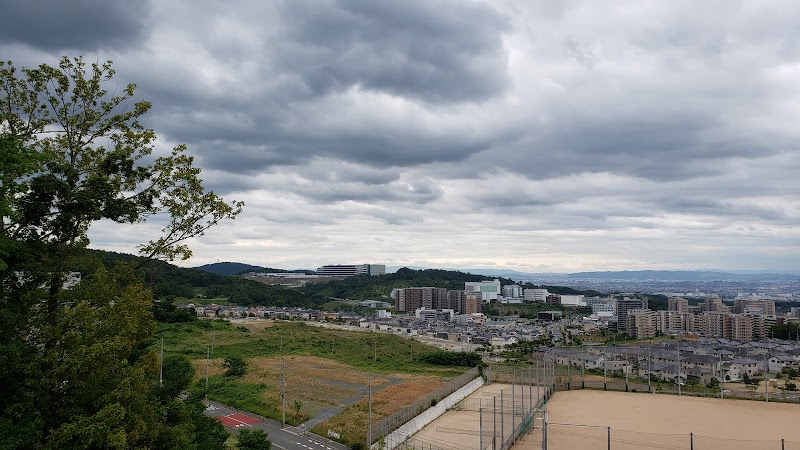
533	136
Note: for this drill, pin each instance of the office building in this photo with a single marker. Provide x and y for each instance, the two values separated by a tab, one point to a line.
535	295
489	290
512	291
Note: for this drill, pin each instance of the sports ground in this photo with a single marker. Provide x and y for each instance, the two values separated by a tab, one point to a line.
640	420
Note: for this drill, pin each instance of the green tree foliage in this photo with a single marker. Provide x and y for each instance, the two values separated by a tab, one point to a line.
178	374
790	331
235	366
371	287
253	440
75	373
445	358
298	405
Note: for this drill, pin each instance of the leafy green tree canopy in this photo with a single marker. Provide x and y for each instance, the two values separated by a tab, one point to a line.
253	440
75	373
80	154
236	366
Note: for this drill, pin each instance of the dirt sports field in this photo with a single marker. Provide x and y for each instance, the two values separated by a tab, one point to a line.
642	421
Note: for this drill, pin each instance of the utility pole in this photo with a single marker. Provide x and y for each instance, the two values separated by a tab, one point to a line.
161	361
369	414
208	358
212	343
283	393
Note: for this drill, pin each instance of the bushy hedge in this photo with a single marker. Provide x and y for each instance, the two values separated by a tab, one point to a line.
445	358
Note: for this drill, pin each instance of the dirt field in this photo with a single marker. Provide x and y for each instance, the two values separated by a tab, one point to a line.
664	421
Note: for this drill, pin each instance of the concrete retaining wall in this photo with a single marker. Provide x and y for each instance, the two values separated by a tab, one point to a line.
398	436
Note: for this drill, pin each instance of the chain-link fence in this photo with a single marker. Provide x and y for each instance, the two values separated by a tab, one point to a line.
393	422
562	436
514	410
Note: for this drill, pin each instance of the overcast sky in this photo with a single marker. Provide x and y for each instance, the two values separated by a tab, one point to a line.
542	136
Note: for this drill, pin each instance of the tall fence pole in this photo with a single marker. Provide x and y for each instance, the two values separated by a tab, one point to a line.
538	395
569	364
691	441
625	368
513	406
480	423
502	423
583	369
544	430
494	423
609	438
530	386
649	388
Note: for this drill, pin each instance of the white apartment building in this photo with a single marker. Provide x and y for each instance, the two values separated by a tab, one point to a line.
603	309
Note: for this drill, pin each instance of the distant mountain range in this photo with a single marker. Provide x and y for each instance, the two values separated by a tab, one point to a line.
680	275
642	275
234	268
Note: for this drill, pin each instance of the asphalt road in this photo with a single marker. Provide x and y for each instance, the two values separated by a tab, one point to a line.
289	438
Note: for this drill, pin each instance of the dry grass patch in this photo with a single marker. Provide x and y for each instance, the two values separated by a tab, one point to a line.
215	367
352	422
257	325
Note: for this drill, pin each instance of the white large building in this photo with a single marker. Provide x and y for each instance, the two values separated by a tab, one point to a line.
512	291
489	290
572	300
431	315
351	270
535	295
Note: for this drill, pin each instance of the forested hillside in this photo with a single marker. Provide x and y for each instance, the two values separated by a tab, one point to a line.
376	287
170	282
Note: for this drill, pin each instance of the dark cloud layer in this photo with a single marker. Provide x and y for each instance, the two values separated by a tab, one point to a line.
83	25
431	51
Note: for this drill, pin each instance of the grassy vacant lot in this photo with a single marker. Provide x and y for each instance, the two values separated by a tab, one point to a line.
324	368
373	352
